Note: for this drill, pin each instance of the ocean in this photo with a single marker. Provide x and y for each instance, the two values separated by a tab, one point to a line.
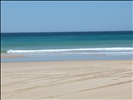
60	46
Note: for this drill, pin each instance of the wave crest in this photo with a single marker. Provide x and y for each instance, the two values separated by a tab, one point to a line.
71	50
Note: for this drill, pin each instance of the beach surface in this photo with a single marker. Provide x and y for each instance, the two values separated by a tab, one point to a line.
96	80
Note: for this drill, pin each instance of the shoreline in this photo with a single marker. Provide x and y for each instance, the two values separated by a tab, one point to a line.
5	58
11	56
101	79
52	61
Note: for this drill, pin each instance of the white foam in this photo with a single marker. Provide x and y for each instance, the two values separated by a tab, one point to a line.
107	53
72	50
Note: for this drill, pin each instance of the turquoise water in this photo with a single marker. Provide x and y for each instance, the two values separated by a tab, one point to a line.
61	45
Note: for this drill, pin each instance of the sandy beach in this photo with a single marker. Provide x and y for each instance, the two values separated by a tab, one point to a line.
105	79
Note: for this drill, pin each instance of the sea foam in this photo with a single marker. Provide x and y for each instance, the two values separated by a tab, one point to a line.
72	50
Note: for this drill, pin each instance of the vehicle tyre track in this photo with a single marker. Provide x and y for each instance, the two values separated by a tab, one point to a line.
89	89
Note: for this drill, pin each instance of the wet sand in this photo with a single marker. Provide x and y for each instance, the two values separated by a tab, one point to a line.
11	56
91	80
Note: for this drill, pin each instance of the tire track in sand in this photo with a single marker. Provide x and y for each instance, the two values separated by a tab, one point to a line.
89	89
16	92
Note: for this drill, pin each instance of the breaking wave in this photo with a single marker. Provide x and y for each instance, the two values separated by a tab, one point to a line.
81	50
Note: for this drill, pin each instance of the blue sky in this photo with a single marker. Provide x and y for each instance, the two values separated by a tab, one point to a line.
58	16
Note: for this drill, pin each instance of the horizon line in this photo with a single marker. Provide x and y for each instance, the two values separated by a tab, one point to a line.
69	31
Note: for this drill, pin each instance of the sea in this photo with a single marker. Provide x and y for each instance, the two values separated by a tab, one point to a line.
62	46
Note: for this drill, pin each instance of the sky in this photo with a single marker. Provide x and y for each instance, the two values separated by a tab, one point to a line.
64	16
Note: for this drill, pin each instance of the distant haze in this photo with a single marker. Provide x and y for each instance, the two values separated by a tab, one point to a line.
64	16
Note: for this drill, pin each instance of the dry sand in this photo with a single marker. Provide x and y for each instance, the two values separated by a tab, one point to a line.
91	80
